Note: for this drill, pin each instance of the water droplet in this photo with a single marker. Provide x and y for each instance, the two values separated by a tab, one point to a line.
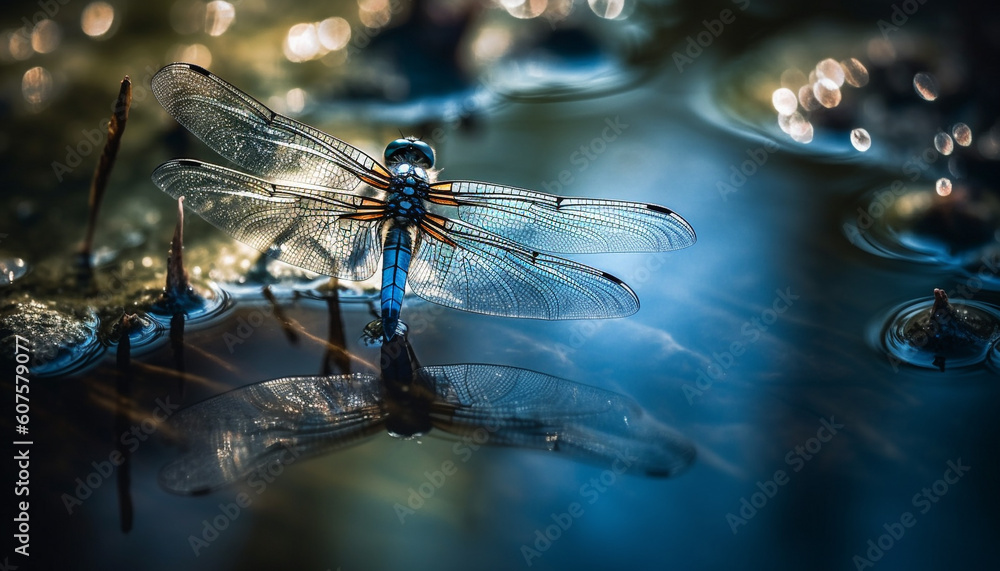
943	143
827	92
926	86
807	99
861	140
830	69
943	187
784	101
143	332
938	334
856	74
202	303
962	134
11	270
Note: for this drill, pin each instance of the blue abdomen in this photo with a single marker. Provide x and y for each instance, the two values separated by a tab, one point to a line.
395	264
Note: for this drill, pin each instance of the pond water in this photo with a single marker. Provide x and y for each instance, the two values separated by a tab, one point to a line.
826	435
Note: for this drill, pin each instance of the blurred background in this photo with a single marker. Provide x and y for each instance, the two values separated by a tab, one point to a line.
838	163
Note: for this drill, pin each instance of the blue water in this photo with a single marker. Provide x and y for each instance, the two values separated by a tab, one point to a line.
752	344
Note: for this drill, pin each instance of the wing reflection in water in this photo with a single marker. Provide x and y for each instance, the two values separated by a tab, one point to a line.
235	434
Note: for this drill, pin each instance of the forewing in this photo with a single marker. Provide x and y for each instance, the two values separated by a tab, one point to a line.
303	226
566	225
458	265
528	409
235	434
267	144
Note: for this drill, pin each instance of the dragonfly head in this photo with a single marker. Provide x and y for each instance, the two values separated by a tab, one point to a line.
409	150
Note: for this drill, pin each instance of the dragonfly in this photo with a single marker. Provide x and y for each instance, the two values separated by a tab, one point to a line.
238	434
316	202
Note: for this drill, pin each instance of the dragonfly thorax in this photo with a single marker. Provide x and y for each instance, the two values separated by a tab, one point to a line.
407	192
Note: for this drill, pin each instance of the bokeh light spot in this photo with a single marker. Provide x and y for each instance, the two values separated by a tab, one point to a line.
855	73
302	42
97	19
827	92
943	143
943	187
219	16
926	86
861	140
36	86
962	134
830	69
334	33
45	37
784	101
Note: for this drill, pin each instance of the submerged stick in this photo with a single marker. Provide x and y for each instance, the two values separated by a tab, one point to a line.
178	295
336	349
177	276
123	392
116	128
286	324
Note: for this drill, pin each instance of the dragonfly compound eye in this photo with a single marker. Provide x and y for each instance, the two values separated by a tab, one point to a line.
426	153
411	150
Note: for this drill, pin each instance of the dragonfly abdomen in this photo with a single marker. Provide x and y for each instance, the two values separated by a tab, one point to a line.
398	251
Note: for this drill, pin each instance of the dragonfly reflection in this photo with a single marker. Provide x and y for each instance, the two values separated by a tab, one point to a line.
316	202
237	434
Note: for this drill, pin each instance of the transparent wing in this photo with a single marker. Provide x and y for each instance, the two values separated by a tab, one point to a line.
460	266
263	142
566	225
235	434
523	408
303	226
